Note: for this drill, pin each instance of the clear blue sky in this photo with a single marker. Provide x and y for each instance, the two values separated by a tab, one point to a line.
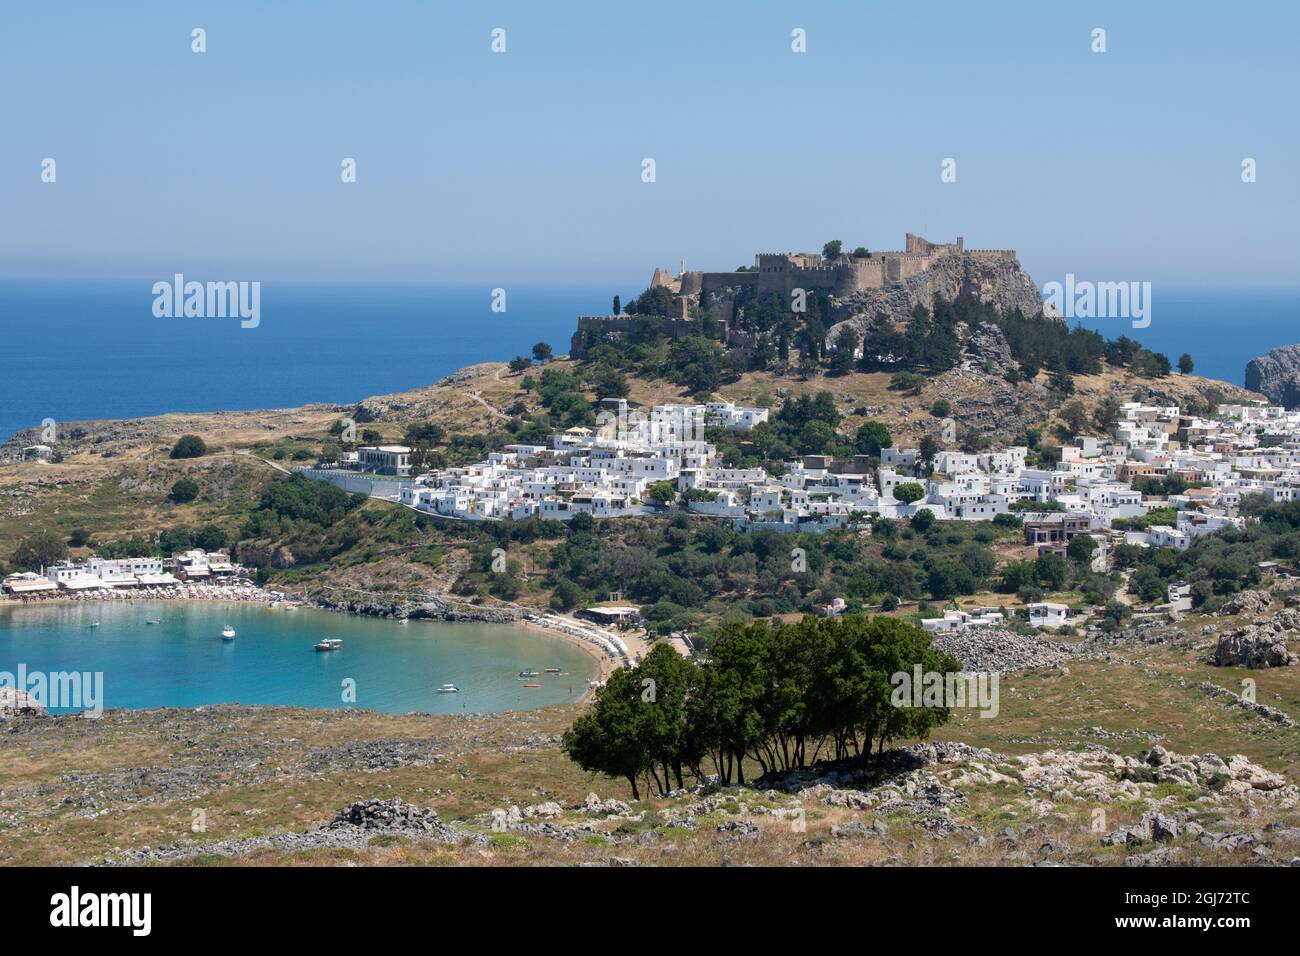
526	166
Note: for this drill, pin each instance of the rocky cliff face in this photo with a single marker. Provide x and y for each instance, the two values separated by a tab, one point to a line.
1276	375
999	281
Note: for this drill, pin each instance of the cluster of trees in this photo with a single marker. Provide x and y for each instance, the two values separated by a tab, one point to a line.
770	696
927	341
808	425
683	570
560	393
39	550
541	354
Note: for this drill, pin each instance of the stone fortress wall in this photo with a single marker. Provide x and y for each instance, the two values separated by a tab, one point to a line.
782	272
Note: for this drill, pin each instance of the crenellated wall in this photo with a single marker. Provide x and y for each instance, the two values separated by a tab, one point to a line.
783	272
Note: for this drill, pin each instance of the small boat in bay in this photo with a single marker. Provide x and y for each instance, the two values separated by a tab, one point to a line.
552	670
532	685
329	644
153	622
227	633
448	689
525	674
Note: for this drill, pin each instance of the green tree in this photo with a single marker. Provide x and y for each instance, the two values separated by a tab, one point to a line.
1074	419
1051	571
908	492
609	738
1081	548
184	490
871	437
842	356
189	446
662	493
611	383
1107	413
831	249
565	595
816	438
927	449
1185	364
542	351
211	538
39	550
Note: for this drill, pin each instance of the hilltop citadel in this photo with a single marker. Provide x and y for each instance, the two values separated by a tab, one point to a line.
851	280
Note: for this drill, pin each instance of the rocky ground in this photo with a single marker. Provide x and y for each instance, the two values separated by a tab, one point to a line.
997	649
1093	806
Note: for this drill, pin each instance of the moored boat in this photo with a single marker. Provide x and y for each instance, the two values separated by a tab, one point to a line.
448	689
329	644
227	633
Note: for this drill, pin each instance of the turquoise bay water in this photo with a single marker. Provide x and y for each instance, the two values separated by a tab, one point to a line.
182	661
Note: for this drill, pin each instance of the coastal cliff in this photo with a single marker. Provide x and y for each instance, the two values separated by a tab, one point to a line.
997	281
1276	375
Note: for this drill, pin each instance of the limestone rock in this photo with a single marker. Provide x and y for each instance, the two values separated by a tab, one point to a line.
1253	647
19	703
1276	375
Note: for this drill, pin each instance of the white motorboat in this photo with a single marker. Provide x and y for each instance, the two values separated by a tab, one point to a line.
227	633
329	644
448	689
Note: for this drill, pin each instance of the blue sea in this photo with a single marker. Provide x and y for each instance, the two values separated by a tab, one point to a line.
182	661
1221	329
89	349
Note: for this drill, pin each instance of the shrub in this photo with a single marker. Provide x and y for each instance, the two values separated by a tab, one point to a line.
189	446
184	490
